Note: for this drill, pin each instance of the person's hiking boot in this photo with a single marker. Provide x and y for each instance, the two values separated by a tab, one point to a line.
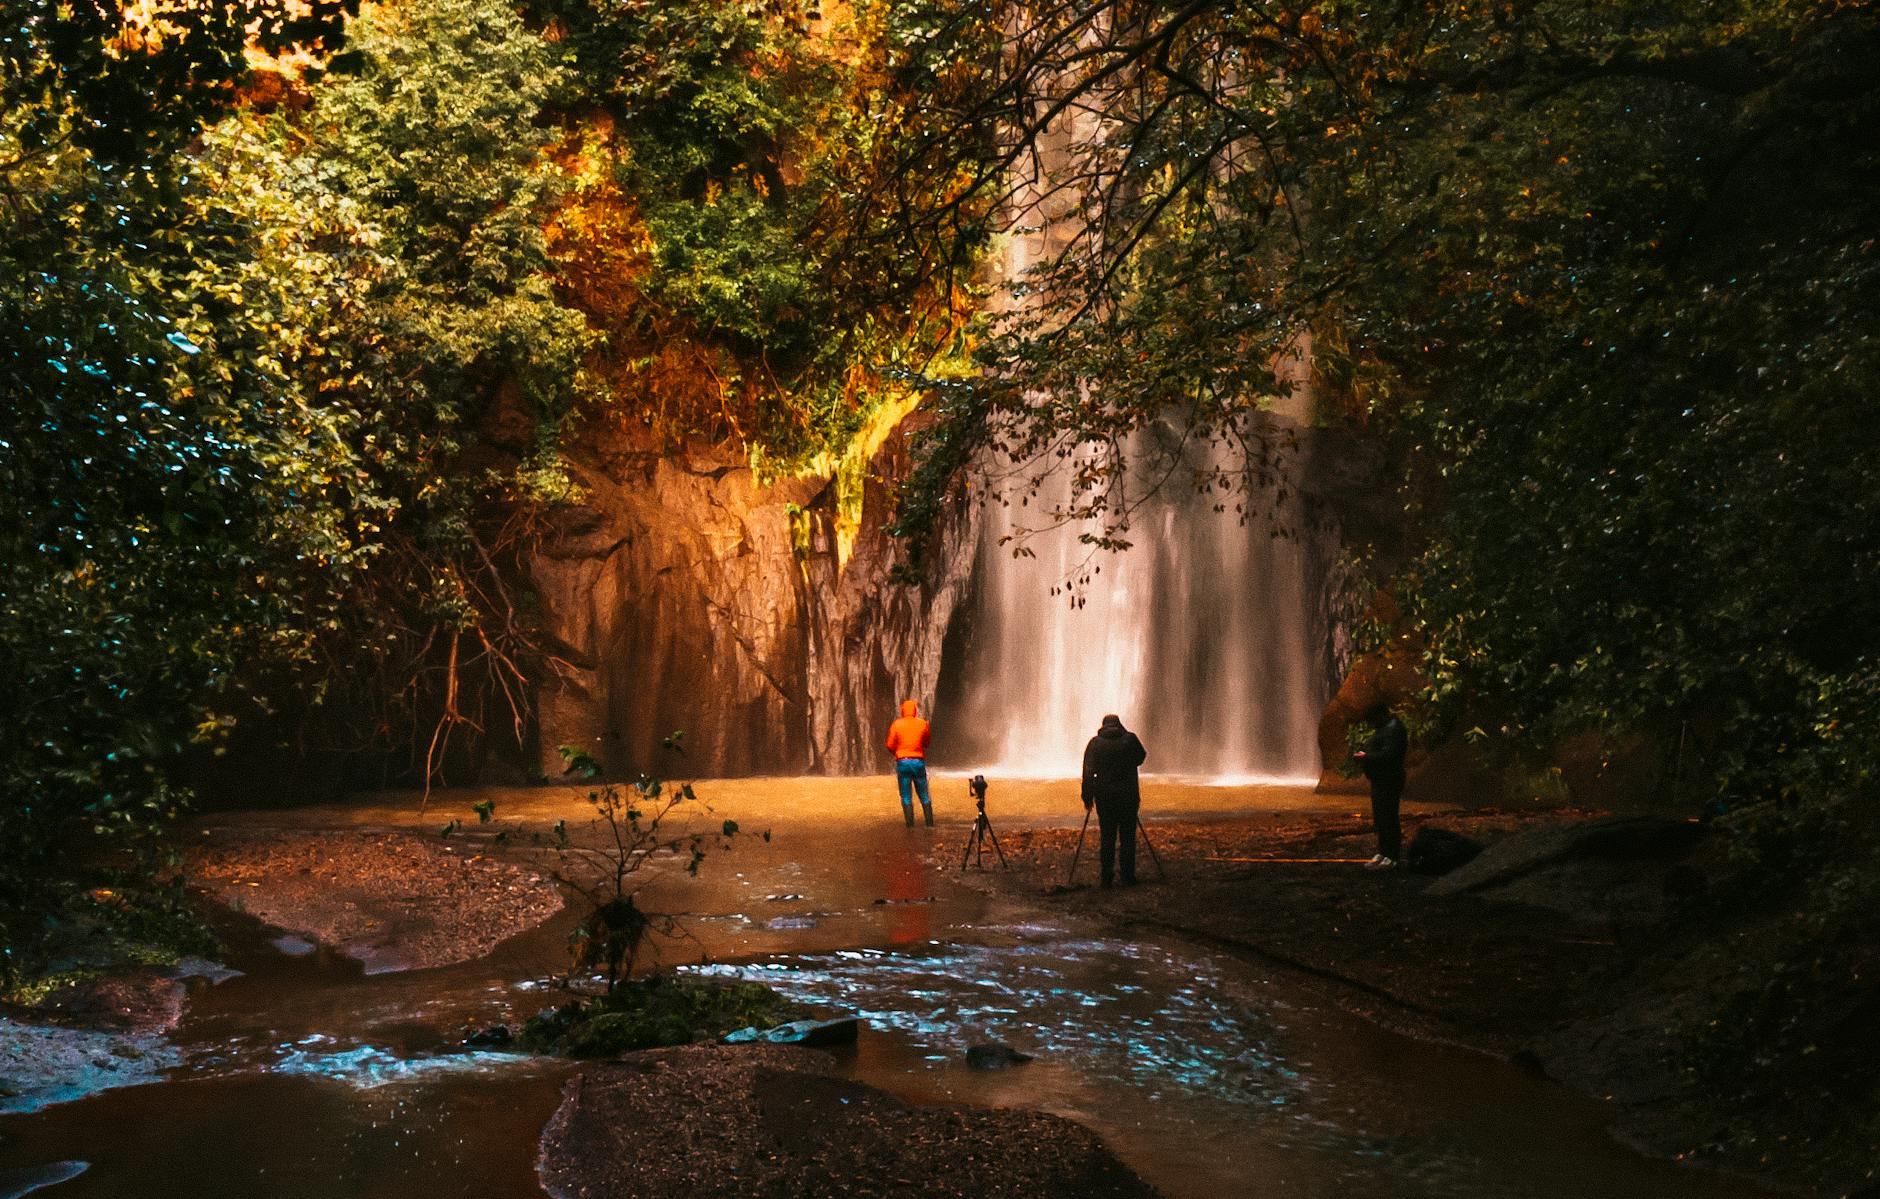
926	810
907	810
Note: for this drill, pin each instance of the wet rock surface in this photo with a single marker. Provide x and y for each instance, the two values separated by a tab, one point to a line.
808	1033
994	1057
44	1063
769	1120
771	598
391	900
24	1180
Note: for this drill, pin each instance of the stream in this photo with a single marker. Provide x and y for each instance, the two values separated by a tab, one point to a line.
304	1076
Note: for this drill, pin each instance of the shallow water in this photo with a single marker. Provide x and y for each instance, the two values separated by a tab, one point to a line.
307	1077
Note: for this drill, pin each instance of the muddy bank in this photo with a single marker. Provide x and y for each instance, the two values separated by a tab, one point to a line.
1564	947
390	900
769	1120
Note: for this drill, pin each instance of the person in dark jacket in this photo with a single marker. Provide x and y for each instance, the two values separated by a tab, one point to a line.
1382	760
1110	785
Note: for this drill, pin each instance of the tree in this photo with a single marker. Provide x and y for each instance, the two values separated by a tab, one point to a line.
149	496
1601	270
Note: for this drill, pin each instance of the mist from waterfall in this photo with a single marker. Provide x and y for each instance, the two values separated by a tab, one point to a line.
1204	636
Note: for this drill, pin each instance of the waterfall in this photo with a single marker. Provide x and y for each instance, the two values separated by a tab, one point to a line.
1204	636
1207	636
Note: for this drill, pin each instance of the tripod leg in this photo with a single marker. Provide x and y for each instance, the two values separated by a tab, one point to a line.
970	838
1080	848
1153	855
991	832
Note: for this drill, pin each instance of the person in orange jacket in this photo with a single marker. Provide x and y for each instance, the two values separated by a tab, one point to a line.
907	741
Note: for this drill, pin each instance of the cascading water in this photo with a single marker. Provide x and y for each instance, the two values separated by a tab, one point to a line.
1204	636
1207	636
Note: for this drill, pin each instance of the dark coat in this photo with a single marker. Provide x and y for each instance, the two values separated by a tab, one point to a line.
1110	762
1384	753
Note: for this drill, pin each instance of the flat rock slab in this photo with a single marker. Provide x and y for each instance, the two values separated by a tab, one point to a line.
813	1034
24	1180
1625	839
768	1120
44	1064
391	900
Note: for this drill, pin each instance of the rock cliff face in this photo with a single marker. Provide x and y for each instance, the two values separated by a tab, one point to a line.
685	594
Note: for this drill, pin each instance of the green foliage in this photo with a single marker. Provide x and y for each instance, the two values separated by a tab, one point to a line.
152	498
234	385
1784	1046
652	1012
746	146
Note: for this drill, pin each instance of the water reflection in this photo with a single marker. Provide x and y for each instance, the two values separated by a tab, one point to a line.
1124	1013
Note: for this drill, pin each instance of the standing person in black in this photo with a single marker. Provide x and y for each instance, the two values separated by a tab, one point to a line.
1382	760
1110	785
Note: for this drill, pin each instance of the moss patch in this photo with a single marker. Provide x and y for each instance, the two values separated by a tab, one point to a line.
651	1013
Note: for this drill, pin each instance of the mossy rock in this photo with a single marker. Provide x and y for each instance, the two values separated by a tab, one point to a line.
652	1013
622	1032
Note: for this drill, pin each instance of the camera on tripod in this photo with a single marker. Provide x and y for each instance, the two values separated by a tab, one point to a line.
982	829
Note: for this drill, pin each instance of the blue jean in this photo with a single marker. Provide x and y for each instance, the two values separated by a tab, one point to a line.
911	774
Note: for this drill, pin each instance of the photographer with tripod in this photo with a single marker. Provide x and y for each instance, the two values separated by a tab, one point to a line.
1110	786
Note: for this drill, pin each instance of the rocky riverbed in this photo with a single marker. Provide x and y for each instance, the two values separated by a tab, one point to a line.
1178	1027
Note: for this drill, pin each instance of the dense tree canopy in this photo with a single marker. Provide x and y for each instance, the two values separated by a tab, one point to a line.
1602	270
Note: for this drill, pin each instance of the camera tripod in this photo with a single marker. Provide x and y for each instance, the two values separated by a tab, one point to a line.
1140	832
982	830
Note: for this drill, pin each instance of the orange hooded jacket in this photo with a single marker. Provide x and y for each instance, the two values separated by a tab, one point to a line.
907	737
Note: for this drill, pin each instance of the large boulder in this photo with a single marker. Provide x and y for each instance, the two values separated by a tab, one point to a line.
769	1120
1605	876
1439	850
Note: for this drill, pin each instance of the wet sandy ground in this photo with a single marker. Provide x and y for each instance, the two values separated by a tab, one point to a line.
784	804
